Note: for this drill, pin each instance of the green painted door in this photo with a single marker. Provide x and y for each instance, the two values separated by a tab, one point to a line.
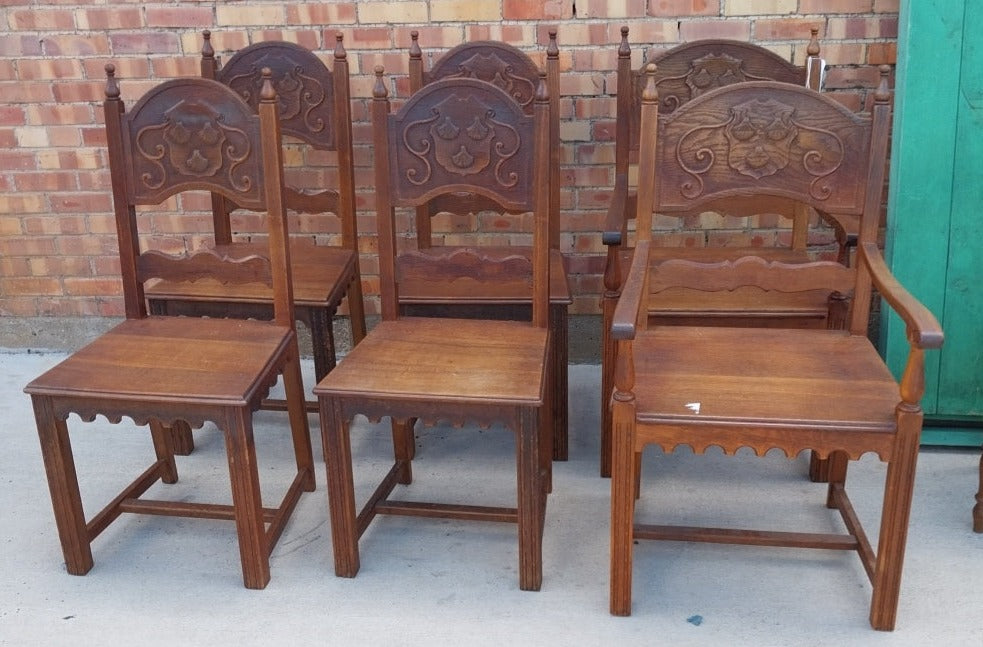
935	206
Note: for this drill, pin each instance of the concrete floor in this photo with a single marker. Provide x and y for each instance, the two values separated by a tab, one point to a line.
433	582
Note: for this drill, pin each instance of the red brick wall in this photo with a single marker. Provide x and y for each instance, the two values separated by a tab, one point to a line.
57	242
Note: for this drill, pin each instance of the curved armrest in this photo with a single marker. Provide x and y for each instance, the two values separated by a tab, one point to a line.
614	224
923	328
632	299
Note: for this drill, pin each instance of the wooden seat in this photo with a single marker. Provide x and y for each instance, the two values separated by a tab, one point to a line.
823	390
454	370
188	134
315	109
684	73
513	71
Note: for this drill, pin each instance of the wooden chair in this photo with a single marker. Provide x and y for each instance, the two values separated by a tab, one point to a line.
513	71
453	135
315	109
187	134
684	73
823	390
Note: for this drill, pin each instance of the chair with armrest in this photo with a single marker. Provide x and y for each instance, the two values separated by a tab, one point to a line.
451	136
514	72
314	109
682	74
185	135
824	390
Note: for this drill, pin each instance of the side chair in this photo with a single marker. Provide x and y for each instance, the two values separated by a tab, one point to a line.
315	109
514	72
185	135
453	135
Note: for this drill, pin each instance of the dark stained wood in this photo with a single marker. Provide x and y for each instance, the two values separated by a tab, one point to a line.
314	107
171	372
823	390
684	73
445	369
514	72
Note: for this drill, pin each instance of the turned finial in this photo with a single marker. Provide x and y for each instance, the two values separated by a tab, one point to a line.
339	47
415	45
650	94
206	47
112	85
379	89
552	49
813	48
267	93
624	51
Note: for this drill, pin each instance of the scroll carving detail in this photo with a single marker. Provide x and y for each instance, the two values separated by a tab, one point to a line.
761	138
491	68
298	94
193	141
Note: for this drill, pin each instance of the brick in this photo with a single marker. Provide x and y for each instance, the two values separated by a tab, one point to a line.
91	286
391	12
41	19
31	137
643	32
882	53
47	181
690	30
575	131
145	43
860	28
431	38
79	91
835	6
222	41
852	77
886	6
18	161
364	38
115	17
15	46
59	114
323	13
7	71
81	203
77	159
126	68
514	34
54	225
59	68
12	116
544	10
759	7
305	38
673	8
611	8
22	203
71	45
195	17
25	286
59	266
796	29
169	67
464	10
15	92
240	14
843	53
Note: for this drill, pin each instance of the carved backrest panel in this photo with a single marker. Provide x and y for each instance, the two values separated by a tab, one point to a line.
303	84
494	62
192	134
462	135
688	71
763	137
